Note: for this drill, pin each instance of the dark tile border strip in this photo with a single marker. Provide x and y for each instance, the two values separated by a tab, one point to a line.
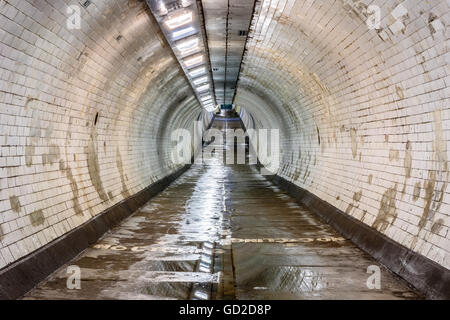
24	274
424	274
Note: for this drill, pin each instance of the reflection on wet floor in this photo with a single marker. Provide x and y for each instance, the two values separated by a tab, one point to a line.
223	232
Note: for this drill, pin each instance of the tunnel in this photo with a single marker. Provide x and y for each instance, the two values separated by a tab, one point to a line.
135	139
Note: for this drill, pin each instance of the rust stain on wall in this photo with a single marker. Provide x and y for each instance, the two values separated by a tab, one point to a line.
388	210
417	189
393	155
399	92
29	153
349	208
125	192
73	186
296	173
37	218
52	156
437	183
29	101
357	196
35	130
407	164
440	148
429	190
354	142
437	226
94	168
15	203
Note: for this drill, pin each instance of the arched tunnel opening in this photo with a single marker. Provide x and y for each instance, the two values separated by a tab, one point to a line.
224	149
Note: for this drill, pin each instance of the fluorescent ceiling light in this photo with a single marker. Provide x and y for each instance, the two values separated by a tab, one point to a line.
179	20
205	98
203	88
183	32
189	52
200	80
193	61
197	72
187	44
188	47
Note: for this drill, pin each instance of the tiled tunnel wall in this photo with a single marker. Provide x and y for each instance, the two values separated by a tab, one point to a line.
364	114
85	116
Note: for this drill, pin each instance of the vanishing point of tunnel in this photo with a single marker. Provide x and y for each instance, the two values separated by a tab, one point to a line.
224	149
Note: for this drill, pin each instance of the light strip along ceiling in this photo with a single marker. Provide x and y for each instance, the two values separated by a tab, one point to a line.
182	25
227	23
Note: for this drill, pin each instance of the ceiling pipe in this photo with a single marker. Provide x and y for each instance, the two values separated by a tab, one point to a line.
245	49
226	53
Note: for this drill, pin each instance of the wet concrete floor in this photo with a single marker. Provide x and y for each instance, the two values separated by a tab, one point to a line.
222	232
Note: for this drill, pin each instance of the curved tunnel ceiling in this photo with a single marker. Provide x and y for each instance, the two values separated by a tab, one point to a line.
364	115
